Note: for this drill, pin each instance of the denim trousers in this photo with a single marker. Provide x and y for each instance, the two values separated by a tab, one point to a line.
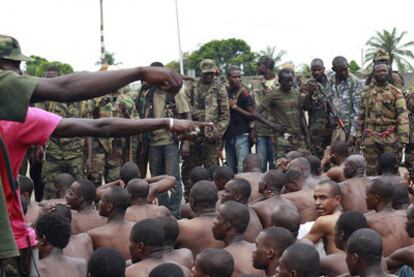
164	160
266	151
237	148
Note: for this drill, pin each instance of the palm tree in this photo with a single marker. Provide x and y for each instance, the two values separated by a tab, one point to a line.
272	53
109	59
391	43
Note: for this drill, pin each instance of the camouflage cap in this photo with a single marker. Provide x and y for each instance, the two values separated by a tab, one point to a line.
208	66
10	49
381	55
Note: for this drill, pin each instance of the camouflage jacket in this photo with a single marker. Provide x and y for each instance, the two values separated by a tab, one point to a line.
345	97
101	110
211	105
65	148
383	106
315	104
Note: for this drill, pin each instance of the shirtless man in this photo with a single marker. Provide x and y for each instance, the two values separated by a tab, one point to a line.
80	197
327	197
400	197
300	194
181	256
129	171
347	223
239	190
388	222
389	164
221	176
364	254
53	233
302	164
355	186
299	260
195	233
404	256
26	190
287	217
213	262
316	171
140	209
106	262
270	245
335	154
146	247
115	233
252	173
272	183
80	245
229	226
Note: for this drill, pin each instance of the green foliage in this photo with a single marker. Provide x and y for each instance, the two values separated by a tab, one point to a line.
109	59
390	41
304	71
38	66
354	67
224	52
173	65
275	55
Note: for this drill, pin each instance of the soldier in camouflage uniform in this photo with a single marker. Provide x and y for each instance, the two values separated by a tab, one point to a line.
409	148
63	155
209	102
382	124
315	91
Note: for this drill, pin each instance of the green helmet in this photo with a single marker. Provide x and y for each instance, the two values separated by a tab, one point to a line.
10	49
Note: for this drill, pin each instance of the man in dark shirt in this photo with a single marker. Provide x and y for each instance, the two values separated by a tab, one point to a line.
236	138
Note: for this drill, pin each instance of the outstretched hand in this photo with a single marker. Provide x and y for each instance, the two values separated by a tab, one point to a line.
163	78
181	126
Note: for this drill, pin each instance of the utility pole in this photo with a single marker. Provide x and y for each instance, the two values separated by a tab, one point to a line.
102	34
179	39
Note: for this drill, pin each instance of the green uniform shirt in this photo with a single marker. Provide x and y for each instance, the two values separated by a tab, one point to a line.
15	94
285	108
164	136
258	96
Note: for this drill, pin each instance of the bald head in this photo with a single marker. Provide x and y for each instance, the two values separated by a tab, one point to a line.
63	181
286	217
290	156
389	163
118	197
138	188
302	259
129	171
251	163
339	61
242	187
277	238
367	244
274	180
302	165
203	195
382	188
354	166
215	262
236	213
316	62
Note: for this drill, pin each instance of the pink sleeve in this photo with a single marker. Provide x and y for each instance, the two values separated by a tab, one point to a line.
38	126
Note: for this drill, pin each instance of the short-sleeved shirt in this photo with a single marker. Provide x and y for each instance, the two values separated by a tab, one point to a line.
258	95
36	130
15	94
164	136
285	108
239	124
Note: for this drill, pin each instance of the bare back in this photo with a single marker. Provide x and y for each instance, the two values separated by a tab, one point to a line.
196	234
182	256
33	212
113	235
265	208
390	226
143	268
66	266
86	220
137	213
242	255
253	178
304	202
79	246
254	227
334	265
354	194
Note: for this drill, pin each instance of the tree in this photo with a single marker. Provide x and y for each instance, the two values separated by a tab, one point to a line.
354	67
391	43
272	53
38	66
305	71
109	59
224	52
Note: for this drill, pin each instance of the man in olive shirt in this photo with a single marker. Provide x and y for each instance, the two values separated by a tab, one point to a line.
284	103
163	144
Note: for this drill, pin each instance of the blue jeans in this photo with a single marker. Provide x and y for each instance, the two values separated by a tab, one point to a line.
237	148
266	151
164	160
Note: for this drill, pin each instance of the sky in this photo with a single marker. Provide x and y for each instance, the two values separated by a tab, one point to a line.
140	32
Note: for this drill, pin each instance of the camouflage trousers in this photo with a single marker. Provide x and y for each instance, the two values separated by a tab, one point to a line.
409	159
372	148
283	146
104	165
320	139
202	153
52	168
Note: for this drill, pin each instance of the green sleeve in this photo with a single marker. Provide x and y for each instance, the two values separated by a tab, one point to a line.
267	101
181	103
15	94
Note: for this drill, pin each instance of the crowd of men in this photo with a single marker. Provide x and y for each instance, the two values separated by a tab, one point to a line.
309	185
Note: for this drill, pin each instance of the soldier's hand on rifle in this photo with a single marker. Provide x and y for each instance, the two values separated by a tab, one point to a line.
163	78
278	127
181	126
